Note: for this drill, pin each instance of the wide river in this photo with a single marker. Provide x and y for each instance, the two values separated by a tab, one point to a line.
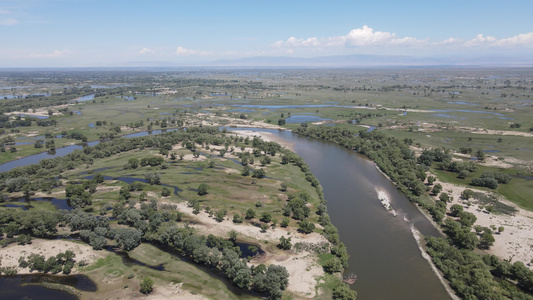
383	251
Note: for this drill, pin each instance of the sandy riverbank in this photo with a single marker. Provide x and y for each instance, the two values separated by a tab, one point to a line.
266	136
303	267
11	254
516	241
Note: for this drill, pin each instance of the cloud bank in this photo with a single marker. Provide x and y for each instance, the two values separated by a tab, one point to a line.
367	37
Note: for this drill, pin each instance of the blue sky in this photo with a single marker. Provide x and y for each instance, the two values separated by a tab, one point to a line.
79	33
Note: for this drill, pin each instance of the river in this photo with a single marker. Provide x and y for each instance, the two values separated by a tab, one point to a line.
383	252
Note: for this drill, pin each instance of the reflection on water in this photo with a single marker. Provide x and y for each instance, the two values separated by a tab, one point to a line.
28	286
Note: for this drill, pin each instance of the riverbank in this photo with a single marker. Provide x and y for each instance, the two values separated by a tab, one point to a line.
10	255
303	267
515	243
266	136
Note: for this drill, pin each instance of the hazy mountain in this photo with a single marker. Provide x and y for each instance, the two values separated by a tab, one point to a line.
340	61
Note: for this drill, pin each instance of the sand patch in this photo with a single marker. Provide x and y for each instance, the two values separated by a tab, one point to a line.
266	136
172	291
516	241
11	254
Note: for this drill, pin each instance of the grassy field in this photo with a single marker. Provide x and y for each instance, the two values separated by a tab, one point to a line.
120	277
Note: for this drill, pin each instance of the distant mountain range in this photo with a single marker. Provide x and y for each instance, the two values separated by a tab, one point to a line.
360	60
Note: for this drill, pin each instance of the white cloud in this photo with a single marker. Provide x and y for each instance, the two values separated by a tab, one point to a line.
523	39
184	51
146	51
359	37
365	36
480	39
370	39
55	54
9	22
449	41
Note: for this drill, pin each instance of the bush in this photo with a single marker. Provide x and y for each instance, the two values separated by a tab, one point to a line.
165	192
485	182
147	285
202	189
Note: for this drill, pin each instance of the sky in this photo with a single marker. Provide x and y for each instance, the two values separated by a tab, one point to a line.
115	33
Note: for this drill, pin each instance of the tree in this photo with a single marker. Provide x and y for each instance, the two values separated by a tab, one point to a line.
444	197
283	186
202	189
284	243
467	194
306	226
463	174
233	236
245	171
456	209
237	218
343	292
128	238
436	189
486	240
333	265
147	285
165	192
250	214
125	192
480	155
266	217
259	173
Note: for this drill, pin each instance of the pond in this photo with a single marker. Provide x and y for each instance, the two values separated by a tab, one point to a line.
304	118
85	98
27	203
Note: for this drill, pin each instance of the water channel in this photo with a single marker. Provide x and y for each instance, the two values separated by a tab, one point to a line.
383	251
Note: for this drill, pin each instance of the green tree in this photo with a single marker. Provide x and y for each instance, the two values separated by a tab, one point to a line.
250	214
436	189
306	226
202	189
266	217
237	218
165	192
343	292
147	285
233	235
285	243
